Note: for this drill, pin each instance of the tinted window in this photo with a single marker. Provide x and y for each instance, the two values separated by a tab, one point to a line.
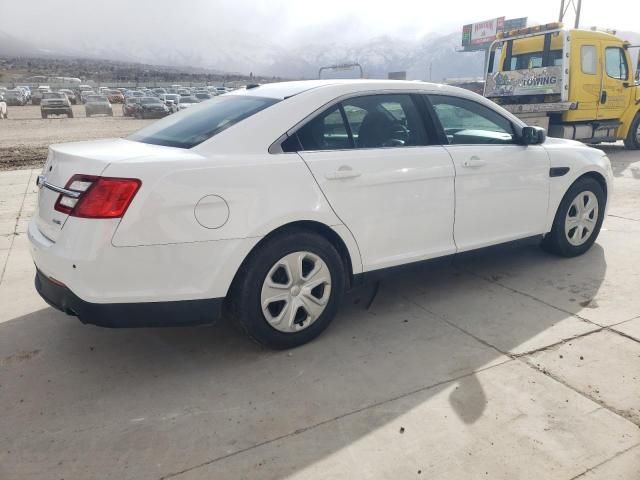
468	122
201	122
384	121
373	121
615	63
327	131
589	59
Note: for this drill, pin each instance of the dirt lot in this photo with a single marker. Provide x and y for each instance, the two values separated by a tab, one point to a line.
25	136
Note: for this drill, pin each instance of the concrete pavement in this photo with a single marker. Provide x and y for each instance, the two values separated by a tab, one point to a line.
505	363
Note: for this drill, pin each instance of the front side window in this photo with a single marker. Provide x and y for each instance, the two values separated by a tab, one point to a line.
589	59
615	63
468	122
201	122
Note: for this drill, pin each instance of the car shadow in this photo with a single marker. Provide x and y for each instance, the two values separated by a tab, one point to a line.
84	398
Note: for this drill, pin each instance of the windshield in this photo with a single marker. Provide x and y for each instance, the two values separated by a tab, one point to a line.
171	96
147	100
52	95
199	123
189	100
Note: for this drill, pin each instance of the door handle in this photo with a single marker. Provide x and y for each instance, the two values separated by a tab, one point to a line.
603	96
342	173
473	162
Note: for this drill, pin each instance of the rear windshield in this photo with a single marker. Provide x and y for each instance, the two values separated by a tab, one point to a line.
201	122
52	95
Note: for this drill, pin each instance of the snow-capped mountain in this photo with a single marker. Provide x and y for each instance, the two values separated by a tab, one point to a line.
433	56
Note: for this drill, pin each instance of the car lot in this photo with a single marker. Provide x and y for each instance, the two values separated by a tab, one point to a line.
25	136
506	363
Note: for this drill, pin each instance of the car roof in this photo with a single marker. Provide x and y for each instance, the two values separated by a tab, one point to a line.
282	90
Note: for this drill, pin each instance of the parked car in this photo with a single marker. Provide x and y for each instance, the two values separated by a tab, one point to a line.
15	97
115	96
171	100
3	108
86	93
272	201
36	96
187	101
55	103
203	95
70	95
26	90
97	105
129	106
150	107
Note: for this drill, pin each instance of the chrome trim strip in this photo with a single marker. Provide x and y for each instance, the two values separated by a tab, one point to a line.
63	191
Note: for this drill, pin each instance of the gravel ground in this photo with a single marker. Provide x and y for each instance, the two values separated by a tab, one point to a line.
25	136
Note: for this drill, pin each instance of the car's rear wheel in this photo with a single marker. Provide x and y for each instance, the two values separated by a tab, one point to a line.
288	291
632	142
578	219
70	113
44	115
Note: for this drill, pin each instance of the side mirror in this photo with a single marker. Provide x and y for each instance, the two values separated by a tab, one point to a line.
533	135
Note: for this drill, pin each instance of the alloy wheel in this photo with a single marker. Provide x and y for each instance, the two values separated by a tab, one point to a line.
296	291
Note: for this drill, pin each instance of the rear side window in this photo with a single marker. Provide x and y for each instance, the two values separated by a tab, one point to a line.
615	63
201	122
589	59
372	121
378	121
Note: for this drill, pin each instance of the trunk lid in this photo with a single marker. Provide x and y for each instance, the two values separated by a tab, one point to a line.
69	159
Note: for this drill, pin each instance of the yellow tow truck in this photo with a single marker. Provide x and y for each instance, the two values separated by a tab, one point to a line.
578	84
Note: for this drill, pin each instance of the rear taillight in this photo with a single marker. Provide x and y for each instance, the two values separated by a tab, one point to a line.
97	197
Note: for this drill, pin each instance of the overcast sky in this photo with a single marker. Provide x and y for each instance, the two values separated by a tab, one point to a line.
284	21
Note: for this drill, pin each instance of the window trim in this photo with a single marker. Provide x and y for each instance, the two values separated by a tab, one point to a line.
626	65
276	147
515	127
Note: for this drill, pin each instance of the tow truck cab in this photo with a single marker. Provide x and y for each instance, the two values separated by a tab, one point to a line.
578	84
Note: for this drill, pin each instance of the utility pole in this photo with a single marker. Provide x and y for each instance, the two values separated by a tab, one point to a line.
564	7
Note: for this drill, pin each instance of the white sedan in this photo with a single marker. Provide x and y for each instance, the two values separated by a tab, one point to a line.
270	202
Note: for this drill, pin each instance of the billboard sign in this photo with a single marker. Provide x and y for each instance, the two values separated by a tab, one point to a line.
485	32
478	36
535	81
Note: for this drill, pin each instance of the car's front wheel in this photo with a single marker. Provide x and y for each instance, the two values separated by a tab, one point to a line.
289	289
578	219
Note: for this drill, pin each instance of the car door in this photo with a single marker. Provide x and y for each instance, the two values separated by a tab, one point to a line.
614	95
372	157
502	188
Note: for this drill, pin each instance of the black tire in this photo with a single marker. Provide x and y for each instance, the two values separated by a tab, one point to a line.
556	241
87	114
245	302
70	114
632	142
44	115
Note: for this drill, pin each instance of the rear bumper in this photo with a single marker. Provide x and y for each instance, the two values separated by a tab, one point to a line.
119	315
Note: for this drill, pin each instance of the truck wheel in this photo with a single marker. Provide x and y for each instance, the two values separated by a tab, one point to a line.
578	219
87	115
632	142
70	113
44	115
288	290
